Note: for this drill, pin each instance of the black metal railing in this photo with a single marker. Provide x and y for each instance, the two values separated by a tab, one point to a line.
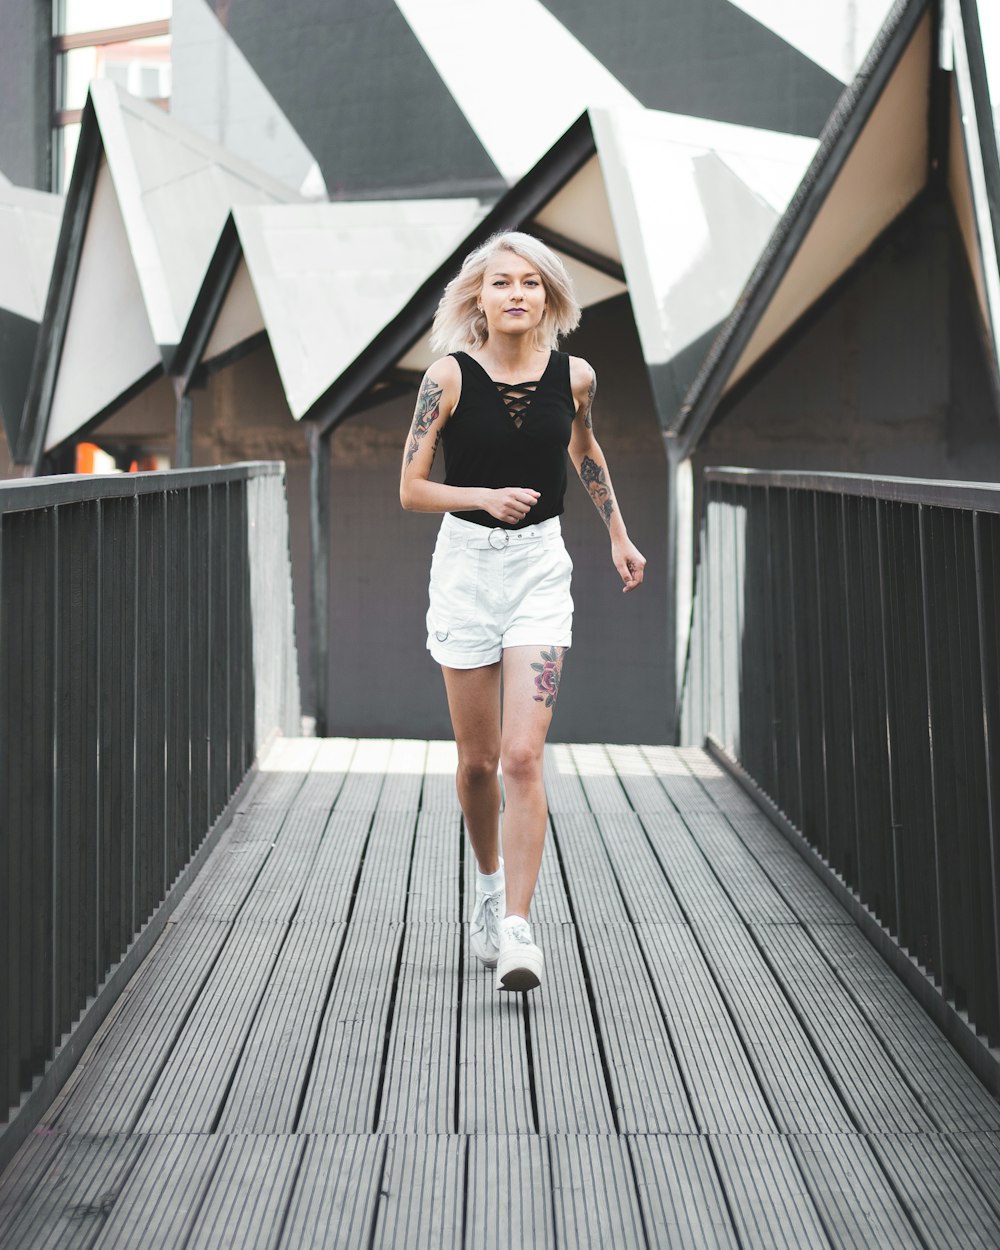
844	651
146	653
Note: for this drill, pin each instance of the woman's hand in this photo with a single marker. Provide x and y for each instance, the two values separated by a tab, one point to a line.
511	503
630	563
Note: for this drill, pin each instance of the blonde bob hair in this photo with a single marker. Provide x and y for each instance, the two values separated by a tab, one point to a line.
458	323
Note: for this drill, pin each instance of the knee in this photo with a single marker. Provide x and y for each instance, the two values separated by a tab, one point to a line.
522	763
473	770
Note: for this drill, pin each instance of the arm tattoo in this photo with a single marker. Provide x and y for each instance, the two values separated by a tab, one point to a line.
588	407
592	476
426	414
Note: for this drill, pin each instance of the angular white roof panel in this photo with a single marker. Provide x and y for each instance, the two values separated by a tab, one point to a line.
329	277
175	190
694	203
29	231
108	344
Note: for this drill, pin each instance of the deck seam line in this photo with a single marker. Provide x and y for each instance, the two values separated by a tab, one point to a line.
196	997
873	1028
303	1144
394	992
723	993
321	1016
588	988
206	1190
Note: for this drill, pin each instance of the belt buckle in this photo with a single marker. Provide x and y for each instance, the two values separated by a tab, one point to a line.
503	535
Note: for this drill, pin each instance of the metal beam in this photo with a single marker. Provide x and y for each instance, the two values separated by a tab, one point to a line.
319	536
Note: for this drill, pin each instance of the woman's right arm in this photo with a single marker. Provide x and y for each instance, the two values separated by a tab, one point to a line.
439	393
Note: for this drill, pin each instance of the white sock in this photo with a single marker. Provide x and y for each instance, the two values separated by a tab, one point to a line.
489	882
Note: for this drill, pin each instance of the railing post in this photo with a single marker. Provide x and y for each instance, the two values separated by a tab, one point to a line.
319	531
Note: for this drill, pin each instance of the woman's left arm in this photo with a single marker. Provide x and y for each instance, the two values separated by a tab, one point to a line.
592	467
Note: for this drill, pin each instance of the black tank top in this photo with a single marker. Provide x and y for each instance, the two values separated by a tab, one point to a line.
514	434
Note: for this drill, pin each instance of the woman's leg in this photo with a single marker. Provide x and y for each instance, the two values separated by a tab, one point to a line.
530	684
474	703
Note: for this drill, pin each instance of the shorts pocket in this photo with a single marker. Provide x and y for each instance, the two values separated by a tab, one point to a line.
453	589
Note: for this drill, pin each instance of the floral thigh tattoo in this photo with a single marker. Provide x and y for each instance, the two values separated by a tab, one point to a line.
547	676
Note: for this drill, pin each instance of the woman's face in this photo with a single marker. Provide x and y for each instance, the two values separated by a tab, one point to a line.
512	295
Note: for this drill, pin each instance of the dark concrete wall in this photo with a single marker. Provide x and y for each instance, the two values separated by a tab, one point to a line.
890	377
25	92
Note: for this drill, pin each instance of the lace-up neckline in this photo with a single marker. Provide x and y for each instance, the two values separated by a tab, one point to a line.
517	397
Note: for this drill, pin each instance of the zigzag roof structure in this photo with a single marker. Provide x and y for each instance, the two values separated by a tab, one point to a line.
145	208
901	128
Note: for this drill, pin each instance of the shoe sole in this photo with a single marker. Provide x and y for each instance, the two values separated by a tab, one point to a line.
524	974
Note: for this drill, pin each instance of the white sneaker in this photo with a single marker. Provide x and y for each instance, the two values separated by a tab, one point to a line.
520	962
484	928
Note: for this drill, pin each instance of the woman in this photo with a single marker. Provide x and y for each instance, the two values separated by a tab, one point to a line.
507	406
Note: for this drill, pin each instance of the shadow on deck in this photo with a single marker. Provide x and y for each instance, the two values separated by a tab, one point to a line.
310	1056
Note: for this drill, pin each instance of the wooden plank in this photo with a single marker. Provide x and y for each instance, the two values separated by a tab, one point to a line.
869	1082
570	1090
637	779
365	776
328	894
25	1176
805	892
594	1193
695	886
327	773
437	857
273	1067
948	1089
720	1079
683	790
599	779
980	1156
592	888
404	776
248	1194
508	1190
336	1194
382	890
494	1091
856	1203
288	868
799	1092
646	1084
110	1087
422	1194
562	785
74	1194
189	1091
942	1198
161	1198
282	771
681	1199
791	876
419	1089
641	879
439	794
227	877
343	1084
770	1206
748	887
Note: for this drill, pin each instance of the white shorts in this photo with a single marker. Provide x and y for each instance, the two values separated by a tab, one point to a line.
497	588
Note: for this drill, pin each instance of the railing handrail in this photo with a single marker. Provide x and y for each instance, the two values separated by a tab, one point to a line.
967	496
27	493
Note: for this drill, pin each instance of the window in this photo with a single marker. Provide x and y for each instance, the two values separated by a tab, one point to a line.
127	41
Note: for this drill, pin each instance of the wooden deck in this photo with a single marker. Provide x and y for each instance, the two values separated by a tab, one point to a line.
310	1056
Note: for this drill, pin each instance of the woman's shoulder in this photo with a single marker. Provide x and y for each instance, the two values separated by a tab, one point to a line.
444	369
581	376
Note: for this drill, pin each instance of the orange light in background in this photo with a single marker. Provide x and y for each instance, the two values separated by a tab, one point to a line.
85	457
